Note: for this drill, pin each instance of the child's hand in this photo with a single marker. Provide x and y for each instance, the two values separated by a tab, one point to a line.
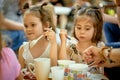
63	35
28	75
50	34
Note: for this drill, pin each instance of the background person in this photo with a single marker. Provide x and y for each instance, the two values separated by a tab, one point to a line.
9	65
11	21
111	29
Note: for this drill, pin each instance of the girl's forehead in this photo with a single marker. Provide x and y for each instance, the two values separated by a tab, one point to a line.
84	18
30	16
33	13
27	15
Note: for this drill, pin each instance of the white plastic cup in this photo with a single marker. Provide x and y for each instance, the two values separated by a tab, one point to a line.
78	71
57	73
65	63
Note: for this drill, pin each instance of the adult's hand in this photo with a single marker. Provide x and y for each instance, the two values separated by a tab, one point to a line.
92	56
25	4
28	75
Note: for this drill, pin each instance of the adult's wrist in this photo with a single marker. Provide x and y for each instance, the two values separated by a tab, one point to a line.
107	54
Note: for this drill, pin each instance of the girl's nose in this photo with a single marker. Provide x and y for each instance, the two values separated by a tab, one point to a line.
82	31
29	29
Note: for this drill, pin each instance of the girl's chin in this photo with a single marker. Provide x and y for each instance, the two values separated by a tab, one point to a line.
82	39
30	39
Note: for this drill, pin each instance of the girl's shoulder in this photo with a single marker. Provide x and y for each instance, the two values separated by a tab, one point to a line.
25	45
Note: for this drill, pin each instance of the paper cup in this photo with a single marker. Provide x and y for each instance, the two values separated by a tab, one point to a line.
78	71
57	73
65	63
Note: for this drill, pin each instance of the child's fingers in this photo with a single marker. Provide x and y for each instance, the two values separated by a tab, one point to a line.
47	29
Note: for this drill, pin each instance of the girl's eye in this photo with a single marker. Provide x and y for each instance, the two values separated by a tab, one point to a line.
32	25
87	28
78	28
25	26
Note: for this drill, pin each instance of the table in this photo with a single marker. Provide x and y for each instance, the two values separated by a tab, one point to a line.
97	77
93	77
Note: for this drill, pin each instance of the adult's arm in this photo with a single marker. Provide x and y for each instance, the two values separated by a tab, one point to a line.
118	14
9	24
117	2
114	55
113	19
109	18
92	54
12	25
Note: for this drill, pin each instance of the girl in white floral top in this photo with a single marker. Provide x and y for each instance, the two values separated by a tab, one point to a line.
87	31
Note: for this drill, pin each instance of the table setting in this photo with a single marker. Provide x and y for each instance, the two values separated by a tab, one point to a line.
65	70
79	71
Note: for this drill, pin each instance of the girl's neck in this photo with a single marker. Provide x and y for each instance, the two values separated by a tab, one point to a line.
43	40
38	49
40	40
84	45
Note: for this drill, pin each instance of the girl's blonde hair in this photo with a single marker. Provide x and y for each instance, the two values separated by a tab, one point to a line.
45	12
96	16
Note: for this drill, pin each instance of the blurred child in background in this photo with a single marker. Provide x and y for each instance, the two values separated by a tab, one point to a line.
9	65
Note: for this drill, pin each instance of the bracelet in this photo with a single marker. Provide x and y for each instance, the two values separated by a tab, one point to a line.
102	56
105	51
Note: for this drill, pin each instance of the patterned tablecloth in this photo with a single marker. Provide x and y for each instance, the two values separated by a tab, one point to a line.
97	77
92	77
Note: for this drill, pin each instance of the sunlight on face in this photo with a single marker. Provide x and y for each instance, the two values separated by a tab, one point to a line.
33	26
84	28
